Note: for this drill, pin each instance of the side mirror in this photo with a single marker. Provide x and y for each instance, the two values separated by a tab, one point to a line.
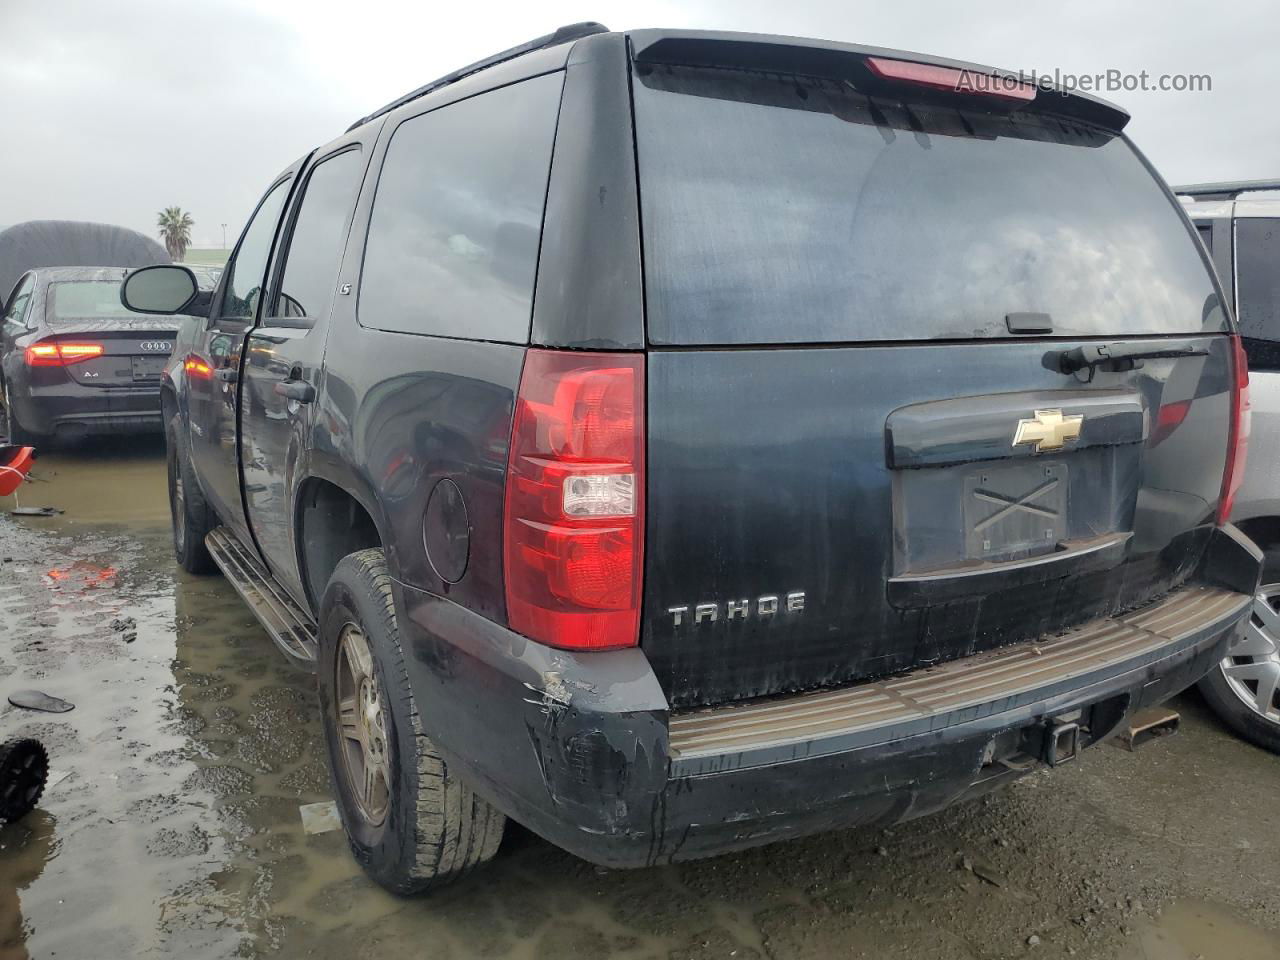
165	289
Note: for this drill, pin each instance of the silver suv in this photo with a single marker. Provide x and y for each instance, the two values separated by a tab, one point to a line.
1239	223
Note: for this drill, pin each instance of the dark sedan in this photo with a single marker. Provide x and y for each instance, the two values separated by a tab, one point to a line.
74	361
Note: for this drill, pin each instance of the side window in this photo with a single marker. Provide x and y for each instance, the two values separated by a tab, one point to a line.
246	271
1258	277
18	302
1206	235
453	238
318	237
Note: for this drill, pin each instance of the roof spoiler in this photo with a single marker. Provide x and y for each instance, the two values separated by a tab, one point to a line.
824	58
566	34
1226	190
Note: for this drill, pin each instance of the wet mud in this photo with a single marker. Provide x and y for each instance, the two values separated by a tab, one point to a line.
175	827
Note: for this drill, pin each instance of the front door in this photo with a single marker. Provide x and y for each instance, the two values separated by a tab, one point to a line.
212	394
283	353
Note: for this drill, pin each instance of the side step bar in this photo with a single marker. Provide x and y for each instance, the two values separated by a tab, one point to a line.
288	624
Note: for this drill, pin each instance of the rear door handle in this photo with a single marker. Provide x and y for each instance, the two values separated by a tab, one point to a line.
226	374
298	390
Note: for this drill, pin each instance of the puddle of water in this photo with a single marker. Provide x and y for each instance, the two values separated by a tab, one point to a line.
1196	930
125	486
193	749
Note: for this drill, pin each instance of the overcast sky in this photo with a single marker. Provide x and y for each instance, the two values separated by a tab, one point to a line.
114	110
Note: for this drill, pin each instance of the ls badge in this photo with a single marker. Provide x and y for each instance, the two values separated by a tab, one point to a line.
1048	430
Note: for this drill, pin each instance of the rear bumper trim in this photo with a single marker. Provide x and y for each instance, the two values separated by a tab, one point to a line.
807	725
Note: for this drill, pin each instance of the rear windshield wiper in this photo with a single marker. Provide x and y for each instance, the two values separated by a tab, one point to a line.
1122	356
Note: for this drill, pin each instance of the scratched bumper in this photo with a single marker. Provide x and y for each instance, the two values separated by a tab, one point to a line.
578	747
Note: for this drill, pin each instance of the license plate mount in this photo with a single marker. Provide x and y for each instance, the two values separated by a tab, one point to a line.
147	368
1015	510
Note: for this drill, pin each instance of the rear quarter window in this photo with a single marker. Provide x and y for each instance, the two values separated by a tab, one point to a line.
452	245
783	210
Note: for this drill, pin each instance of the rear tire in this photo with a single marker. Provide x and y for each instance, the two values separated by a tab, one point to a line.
19	434
412	824
24	770
1237	687
193	518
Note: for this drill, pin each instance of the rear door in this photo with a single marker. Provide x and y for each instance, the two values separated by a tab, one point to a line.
867	450
213	369
284	351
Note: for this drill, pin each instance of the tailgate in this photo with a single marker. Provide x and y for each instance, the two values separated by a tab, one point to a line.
822	515
864	455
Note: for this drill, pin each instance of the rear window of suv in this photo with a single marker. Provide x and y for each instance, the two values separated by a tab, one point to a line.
797	210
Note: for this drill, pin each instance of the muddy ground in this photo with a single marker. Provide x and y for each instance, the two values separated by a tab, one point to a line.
175	829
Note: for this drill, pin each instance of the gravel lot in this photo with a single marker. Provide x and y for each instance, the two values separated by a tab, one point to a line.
175	829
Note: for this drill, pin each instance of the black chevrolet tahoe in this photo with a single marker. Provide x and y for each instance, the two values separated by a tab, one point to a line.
682	441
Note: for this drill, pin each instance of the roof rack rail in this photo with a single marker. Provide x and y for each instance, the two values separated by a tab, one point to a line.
573	31
1226	190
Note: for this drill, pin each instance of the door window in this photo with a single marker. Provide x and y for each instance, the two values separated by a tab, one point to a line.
319	234
1258	289
1258	276
18	304
246	272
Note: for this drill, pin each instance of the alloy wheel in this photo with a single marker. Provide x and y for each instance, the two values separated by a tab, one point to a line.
362	725
1252	667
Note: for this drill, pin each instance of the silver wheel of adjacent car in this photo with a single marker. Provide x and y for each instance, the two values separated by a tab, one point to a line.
362	720
1252	670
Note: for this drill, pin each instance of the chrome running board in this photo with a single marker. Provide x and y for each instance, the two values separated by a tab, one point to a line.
288	624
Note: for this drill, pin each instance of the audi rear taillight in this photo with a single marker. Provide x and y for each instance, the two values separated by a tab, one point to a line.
1238	432
573	519
61	354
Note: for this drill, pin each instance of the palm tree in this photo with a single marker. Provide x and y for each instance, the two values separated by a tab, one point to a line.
175	229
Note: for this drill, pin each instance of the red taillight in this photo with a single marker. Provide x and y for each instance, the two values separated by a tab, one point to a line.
574	534
1238	434
61	354
952	80
195	367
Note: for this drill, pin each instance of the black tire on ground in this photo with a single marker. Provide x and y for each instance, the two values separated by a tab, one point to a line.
24	770
192	516
17	432
432	828
1237	715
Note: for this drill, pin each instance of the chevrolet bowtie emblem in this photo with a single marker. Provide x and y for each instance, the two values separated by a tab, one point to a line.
1048	430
